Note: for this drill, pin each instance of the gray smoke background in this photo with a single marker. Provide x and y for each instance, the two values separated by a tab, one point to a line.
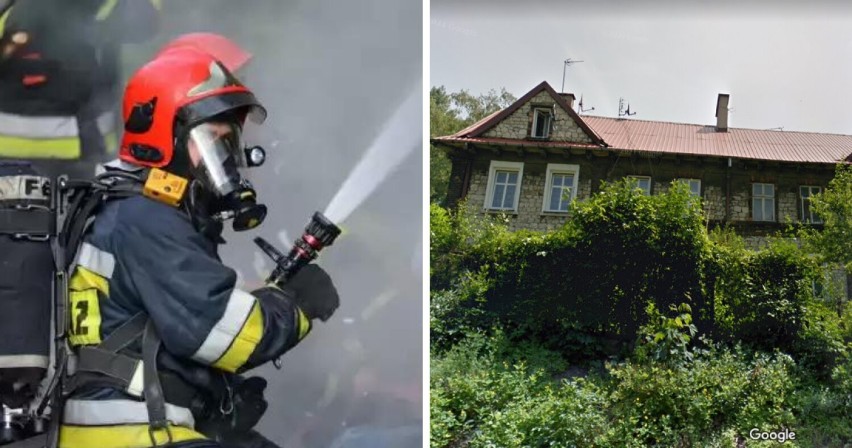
330	73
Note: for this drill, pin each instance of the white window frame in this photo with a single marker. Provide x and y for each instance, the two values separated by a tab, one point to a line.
536	112
501	165
808	219
763	198
556	168
637	178
688	181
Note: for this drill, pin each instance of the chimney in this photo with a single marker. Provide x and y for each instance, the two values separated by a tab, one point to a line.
722	112
569	97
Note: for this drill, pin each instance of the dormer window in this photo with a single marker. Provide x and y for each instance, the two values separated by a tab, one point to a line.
542	118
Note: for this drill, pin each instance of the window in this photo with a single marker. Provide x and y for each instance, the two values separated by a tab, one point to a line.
694	186
805	193
561	187
542	117
643	183
763	202
504	185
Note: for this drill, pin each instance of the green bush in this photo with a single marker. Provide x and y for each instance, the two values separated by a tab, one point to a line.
762	297
666	405
458	312
566	414
620	251
667	339
489	391
483	375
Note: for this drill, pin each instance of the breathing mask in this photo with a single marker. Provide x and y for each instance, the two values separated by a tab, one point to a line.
218	160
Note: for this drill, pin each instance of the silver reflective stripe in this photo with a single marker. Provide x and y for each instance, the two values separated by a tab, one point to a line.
12	125
22	187
10	361
96	260
119	412
223	333
137	382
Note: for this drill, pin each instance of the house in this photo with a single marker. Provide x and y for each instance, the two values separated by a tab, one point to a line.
534	157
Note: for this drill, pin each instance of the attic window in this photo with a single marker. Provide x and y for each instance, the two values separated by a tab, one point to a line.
542	119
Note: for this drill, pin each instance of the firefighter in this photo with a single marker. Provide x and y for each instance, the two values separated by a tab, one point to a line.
160	330
59	78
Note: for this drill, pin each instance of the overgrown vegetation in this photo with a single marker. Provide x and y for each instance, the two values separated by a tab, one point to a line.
634	326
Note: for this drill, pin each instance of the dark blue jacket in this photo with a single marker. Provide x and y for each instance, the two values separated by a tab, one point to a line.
145	256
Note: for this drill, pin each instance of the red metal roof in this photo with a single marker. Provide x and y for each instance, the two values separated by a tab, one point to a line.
662	137
676	138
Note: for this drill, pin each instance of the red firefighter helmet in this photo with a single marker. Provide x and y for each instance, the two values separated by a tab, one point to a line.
231	55
172	94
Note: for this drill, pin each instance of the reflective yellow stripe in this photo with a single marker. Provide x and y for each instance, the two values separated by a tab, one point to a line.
3	19
23	148
84	279
244	342
85	325
121	436
158	4
105	10
304	324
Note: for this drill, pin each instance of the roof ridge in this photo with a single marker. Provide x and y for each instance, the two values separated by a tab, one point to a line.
710	125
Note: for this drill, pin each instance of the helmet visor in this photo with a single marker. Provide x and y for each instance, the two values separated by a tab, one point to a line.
216	155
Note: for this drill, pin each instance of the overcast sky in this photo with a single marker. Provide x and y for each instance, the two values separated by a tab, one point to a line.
784	66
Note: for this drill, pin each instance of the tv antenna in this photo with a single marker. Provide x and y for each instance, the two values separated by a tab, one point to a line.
621	111
567	62
580	107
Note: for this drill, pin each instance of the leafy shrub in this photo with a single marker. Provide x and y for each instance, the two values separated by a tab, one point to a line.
483	375
824	410
762	297
560	414
666	339
620	251
458	312
820	343
666	405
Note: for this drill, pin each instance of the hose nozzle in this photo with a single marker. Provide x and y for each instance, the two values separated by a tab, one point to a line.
319	233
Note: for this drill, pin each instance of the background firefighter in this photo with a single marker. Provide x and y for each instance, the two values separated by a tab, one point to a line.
60	78
148	271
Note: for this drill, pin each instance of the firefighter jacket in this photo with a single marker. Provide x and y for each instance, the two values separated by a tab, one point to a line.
143	256
60	74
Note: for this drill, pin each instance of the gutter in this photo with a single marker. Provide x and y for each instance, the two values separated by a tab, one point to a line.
728	191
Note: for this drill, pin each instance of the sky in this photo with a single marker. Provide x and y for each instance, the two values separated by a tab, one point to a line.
331	74
785	65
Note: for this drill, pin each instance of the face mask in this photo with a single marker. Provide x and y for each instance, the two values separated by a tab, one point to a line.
217	158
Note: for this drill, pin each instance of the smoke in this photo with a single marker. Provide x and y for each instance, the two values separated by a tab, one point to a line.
331	73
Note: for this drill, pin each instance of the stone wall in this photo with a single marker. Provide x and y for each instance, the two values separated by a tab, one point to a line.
788	209
517	125
594	169
740	205
714	202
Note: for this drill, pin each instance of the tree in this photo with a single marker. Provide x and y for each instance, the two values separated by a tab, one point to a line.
833	244
834	206
452	112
